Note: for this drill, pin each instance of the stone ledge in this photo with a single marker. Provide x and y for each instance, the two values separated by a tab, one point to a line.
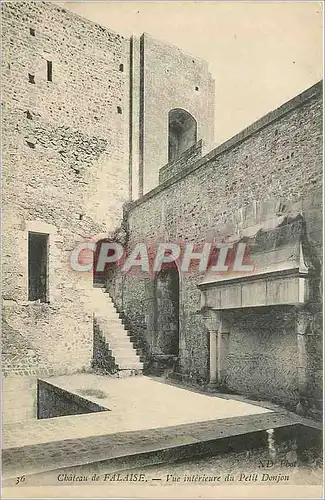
116	450
190	156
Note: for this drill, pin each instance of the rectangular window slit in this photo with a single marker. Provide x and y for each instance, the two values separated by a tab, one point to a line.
37	266
49	71
32	31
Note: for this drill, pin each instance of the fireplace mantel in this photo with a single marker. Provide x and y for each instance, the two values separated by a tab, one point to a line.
280	277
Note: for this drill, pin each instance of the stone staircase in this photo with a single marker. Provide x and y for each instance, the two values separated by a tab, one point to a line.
124	357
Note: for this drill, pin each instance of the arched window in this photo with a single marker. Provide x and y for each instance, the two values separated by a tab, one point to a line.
182	132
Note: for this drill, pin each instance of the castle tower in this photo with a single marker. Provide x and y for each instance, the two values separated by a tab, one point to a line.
89	118
171	108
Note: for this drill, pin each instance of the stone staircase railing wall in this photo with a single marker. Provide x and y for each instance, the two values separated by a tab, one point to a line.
135	331
114	351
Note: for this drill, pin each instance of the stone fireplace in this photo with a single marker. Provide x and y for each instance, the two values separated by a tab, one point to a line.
259	322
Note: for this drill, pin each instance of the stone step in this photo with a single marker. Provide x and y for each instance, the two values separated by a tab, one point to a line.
135	357
106	312
102	297
121	347
118	341
122	355
128	363
129	373
115	336
114	320
123	352
116	333
126	358
121	336
114	325
130	366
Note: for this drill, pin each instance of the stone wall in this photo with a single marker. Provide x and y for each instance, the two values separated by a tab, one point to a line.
19	396
53	401
19	356
190	155
65	166
277	159
262	359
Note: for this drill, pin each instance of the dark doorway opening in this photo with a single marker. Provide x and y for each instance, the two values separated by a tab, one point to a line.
100	275
167	311
182	133
37	267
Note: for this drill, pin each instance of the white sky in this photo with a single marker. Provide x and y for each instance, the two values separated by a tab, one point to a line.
261	54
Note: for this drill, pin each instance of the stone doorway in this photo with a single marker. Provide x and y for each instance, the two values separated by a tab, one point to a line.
167	312
100	276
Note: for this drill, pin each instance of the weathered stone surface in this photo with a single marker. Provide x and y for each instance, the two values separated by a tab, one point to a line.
19	356
266	171
64	164
190	155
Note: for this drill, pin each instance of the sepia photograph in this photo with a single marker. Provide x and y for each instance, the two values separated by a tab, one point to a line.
162	249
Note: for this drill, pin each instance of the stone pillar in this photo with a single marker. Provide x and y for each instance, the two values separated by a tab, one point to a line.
150	308
213	357
303	328
222	347
219	341
211	325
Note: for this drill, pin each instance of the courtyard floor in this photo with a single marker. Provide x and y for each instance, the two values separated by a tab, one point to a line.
136	403
147	418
